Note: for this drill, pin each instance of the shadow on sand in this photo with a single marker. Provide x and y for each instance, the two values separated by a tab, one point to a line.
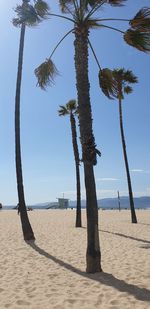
126	236
147	246
102	277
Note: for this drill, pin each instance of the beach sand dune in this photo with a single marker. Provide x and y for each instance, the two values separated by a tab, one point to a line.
50	272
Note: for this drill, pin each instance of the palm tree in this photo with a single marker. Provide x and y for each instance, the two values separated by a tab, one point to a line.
119	85
71	109
82	17
27	15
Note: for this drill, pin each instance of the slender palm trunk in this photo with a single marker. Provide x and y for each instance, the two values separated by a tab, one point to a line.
26	227
119	202
77	164
93	255
133	214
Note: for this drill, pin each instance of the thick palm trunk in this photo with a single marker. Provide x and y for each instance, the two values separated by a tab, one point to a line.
77	164
93	255
26	227
133	214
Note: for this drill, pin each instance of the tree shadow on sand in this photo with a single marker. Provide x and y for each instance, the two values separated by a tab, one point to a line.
147	246
127	236
102	277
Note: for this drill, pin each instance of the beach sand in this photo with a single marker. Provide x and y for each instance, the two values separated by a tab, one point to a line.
50	273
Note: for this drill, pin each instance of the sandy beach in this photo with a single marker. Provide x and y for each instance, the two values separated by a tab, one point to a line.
50	273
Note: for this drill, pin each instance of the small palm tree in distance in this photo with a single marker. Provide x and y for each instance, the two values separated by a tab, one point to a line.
115	84
70	109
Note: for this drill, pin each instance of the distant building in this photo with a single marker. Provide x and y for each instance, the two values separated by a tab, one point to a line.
63	203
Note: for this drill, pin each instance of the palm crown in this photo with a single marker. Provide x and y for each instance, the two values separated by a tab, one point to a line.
29	14
115	83
69	108
82	15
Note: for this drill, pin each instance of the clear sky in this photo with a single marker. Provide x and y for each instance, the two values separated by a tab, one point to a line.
47	156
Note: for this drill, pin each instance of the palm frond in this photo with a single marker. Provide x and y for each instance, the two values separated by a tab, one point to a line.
107	84
116	2
92	23
63	111
25	14
124	75
66	6
93	2
127	89
16	22
91	5
141	21
46	73
129	77
71	106
31	15
114	83
42	8
111	2
137	39
122	79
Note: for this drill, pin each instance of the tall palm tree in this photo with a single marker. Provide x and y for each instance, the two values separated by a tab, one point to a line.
119	85
81	15
71	109
27	15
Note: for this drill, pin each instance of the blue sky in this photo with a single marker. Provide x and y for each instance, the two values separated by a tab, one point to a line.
47	157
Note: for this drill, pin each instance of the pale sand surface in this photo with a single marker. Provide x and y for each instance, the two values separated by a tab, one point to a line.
51	272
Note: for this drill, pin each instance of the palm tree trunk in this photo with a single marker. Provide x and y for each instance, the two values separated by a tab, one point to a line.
77	164
93	255
26	227
133	214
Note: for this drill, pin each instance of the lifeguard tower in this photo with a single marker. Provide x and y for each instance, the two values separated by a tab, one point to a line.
63	203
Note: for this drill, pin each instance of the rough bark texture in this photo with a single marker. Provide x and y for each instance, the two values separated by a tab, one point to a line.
93	256
26	227
133	214
77	164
